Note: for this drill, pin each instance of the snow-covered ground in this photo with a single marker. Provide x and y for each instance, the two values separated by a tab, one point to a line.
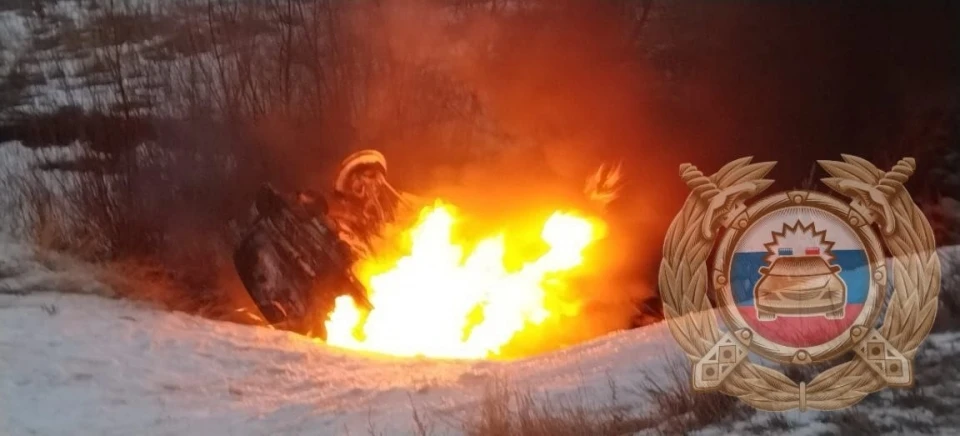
79	364
83	364
74	362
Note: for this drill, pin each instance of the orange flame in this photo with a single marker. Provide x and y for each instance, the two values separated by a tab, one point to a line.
439	300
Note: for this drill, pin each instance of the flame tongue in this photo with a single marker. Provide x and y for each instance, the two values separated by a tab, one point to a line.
440	301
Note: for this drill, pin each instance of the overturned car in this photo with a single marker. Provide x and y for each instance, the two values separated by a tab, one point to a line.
298	256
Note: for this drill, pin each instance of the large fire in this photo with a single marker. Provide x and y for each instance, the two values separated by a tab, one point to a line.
440	299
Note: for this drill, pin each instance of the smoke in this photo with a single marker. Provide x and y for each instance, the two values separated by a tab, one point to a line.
506	111
471	91
505	107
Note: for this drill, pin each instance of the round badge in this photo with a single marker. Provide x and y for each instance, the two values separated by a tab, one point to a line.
799	273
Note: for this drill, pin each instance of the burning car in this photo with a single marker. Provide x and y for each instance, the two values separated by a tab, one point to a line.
292	263
800	286
300	255
297	257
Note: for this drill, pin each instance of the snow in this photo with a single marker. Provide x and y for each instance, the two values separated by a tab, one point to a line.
64	69
75	362
120	368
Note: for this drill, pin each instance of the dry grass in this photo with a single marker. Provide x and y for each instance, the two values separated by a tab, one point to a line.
134	250
145	281
507	410
680	409
657	405
665	404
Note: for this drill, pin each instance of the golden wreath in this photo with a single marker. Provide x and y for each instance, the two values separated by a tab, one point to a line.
878	198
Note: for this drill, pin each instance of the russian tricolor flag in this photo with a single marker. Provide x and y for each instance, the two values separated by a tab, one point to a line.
793	330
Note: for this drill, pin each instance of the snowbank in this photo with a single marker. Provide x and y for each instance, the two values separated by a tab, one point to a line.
83	364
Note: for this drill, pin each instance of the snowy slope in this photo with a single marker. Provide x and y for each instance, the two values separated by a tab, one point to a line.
82	364
109	367
76	363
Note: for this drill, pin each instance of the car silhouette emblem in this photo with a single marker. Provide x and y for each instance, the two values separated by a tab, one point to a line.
804	285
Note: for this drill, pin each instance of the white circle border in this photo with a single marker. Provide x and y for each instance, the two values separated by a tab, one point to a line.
866	235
